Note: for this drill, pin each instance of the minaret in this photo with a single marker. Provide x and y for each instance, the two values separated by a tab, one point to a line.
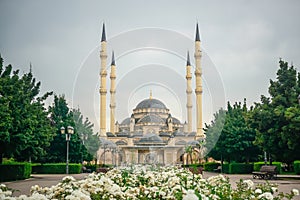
198	90
112	93
103	91
189	104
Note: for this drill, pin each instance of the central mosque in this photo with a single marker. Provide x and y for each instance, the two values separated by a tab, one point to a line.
151	135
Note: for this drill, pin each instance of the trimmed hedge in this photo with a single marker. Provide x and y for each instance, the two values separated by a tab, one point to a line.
15	171
225	168
297	166
56	168
257	166
240	168
210	166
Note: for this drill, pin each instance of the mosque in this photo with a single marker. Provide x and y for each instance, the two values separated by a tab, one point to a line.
151	135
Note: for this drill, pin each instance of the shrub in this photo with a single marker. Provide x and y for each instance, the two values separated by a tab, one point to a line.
240	168
92	168
56	168
14	171
225	168
257	166
297	166
210	166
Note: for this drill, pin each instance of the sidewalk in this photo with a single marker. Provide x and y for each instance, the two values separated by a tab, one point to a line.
43	180
285	182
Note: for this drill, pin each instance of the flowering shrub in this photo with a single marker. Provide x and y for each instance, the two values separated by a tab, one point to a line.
146	182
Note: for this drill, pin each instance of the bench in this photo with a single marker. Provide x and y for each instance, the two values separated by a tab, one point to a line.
197	170
266	172
218	169
102	170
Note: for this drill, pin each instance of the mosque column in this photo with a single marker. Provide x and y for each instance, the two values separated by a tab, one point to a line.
112	94
103	91
198	90
189	104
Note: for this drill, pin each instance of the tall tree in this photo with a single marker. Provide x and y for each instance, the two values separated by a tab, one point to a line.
26	130
236	137
89	139
62	116
276	118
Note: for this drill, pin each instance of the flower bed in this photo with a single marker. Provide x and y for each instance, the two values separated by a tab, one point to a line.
146	182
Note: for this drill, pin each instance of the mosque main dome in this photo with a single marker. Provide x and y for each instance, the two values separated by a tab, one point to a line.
150	116
151	103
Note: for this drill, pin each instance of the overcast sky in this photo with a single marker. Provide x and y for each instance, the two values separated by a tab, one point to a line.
242	42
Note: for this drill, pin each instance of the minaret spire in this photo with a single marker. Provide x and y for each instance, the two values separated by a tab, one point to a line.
112	93
189	91
103	38
103	90
198	90
188	62
197	38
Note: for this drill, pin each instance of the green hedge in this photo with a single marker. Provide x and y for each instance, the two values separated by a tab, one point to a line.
257	166
14	171
210	166
297	166
240	168
56	168
225	168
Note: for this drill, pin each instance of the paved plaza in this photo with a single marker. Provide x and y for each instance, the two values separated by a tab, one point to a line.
285	182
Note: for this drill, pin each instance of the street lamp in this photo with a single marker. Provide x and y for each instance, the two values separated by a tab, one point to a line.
299	99
70	131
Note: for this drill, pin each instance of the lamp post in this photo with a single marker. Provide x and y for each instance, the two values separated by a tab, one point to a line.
70	131
299	99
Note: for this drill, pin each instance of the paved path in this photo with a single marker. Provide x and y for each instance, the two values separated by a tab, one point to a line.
285	183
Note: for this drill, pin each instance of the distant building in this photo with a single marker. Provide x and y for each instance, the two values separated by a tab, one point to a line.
151	134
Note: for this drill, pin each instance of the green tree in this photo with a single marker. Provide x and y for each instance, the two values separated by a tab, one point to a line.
62	116
25	129
236	137
89	139
276	118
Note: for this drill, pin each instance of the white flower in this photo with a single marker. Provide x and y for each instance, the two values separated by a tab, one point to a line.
249	183
274	189
190	195
258	191
266	195
295	192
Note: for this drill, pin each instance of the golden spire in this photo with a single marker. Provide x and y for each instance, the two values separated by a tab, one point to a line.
150	94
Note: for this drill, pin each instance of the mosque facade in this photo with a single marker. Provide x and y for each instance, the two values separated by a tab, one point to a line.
151	135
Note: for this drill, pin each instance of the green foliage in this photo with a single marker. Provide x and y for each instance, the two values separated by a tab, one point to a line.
240	168
235	142
25	130
276	119
225	168
14	171
297	166
211	166
62	116
56	168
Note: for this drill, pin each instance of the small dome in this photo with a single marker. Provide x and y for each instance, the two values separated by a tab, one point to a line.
151	103
178	134
176	121
151	119
121	142
126	121
151	138
110	134
122	134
